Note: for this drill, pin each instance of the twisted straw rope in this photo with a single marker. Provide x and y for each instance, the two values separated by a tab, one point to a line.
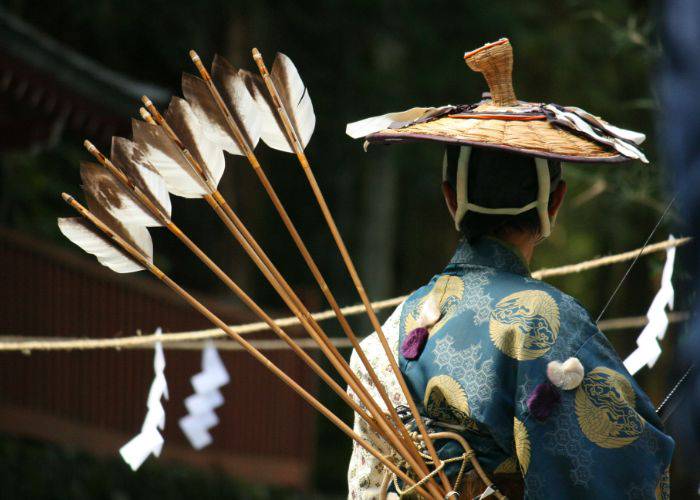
192	340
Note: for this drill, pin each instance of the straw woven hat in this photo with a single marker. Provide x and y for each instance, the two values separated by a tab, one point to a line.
502	121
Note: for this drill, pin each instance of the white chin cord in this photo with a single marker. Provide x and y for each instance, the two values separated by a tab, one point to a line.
464	206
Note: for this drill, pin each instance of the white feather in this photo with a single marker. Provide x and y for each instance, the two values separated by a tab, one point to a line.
213	123
157	188
246	110
295	97
162	153
114	197
234	88
397	119
80	232
271	131
187	127
296	101
128	156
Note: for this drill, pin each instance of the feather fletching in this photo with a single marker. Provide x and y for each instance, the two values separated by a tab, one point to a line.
183	121
164	155
137	236
82	232
271	128
113	196
236	92
295	97
128	157
213	123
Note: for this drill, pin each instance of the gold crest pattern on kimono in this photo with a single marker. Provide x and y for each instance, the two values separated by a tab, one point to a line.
605	406
525	325
606	428
498	329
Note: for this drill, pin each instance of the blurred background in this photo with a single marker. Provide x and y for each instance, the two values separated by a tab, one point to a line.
72	70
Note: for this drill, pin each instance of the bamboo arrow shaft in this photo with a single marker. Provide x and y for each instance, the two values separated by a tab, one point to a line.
245	298
315	271
200	172
247	150
416	459
330	221
327	347
280	285
256	253
286	293
285	297
267	363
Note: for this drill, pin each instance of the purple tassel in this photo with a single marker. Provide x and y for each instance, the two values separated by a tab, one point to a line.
542	400
413	343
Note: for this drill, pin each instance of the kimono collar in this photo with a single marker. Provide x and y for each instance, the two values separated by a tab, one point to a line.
489	252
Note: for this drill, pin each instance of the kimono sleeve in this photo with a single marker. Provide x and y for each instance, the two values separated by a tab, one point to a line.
602	439
365	472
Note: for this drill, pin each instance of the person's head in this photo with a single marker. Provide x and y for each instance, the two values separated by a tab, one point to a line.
494	179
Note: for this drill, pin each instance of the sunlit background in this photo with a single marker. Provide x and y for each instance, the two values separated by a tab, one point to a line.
74	69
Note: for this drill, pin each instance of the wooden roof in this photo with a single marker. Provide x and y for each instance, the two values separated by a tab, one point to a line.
47	87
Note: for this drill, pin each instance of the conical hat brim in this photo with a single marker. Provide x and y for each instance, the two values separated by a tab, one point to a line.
531	137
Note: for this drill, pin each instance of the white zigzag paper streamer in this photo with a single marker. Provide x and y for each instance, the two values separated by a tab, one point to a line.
205	399
648	349
149	440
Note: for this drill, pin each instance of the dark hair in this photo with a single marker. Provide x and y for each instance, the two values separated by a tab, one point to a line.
499	179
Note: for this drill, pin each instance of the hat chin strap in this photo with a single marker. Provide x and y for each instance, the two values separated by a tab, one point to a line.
543	182
464	206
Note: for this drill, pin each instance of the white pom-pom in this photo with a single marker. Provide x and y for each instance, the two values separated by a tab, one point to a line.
567	375
430	312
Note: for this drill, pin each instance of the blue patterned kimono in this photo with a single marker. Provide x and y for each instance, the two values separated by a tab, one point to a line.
498	330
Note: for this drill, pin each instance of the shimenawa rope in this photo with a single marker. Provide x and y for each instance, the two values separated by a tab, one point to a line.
15	343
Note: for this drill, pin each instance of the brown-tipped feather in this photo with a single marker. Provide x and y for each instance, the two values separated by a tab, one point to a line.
130	159
271	126
137	236
295	97
110	194
81	232
184	123
213	122
165	156
237	90
295	100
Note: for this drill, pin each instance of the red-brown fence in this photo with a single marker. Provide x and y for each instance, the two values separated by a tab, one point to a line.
96	399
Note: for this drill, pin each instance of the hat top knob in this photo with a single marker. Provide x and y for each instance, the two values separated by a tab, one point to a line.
495	61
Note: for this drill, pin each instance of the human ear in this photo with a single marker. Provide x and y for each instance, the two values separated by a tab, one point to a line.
557	198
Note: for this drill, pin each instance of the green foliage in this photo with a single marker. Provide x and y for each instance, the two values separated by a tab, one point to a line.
47	472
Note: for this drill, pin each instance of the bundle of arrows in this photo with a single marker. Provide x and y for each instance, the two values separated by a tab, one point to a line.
181	151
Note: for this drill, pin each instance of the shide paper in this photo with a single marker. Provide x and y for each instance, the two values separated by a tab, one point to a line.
149	440
648	348
205	399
